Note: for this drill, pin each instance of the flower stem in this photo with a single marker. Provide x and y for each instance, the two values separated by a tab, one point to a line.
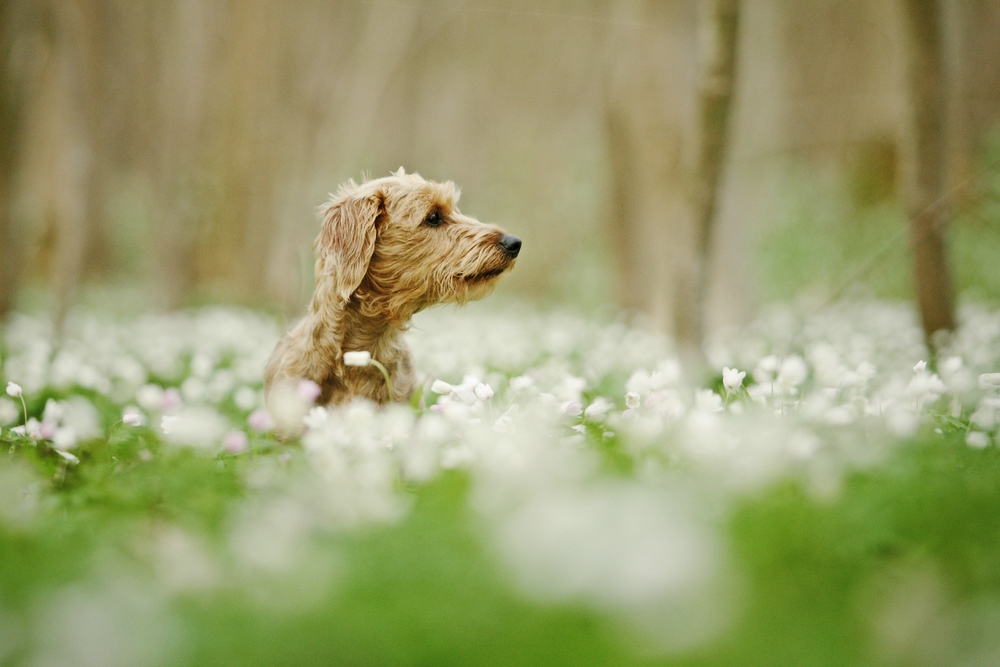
23	405
385	374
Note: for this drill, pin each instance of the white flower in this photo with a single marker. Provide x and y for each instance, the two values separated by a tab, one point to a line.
521	382
132	419
503	424
53	412
69	457
359	358
986	381
732	378
316	417
632	399
951	365
793	371
925	385
765	370
245	398
977	439
441	387
168	423
465	394
195	426
598	409
985	417
484	392
638	382
707	400
920	367
33	429
150	397
193	390
759	393
64	438
14	390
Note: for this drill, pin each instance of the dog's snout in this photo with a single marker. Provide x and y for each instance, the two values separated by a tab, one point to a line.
510	244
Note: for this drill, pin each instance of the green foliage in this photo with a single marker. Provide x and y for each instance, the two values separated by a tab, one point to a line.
850	235
820	575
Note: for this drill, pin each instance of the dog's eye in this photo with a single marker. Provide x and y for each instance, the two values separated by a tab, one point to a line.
433	219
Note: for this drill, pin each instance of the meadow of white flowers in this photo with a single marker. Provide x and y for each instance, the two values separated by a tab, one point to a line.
599	471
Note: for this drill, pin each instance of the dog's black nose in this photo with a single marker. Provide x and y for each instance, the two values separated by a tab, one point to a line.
510	244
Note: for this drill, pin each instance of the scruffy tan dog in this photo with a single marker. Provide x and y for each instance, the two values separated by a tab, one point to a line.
388	248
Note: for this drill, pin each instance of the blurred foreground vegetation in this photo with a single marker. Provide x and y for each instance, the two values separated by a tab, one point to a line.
902	567
562	494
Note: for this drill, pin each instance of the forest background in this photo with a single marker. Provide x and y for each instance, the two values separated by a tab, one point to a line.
176	151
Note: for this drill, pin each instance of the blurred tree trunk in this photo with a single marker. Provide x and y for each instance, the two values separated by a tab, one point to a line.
11	105
183	55
718	30
650	113
73	186
972	79
925	195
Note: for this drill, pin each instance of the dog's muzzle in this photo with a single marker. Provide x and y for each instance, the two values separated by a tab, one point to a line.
510	244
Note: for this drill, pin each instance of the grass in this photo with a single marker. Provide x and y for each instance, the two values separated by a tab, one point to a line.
824	581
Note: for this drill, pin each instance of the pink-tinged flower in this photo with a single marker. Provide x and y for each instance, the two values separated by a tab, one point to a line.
132	419
260	420
572	408
171	399
14	390
236	442
47	430
484	392
308	391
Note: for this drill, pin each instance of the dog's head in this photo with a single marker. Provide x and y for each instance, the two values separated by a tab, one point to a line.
402	243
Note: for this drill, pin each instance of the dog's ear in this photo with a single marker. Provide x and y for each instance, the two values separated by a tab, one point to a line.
347	238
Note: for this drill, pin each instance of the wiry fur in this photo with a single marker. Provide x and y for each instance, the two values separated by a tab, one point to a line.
377	264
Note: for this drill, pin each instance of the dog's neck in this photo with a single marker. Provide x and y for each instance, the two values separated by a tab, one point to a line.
364	326
365	322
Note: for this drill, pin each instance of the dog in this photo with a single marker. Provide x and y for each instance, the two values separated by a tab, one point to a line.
387	249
